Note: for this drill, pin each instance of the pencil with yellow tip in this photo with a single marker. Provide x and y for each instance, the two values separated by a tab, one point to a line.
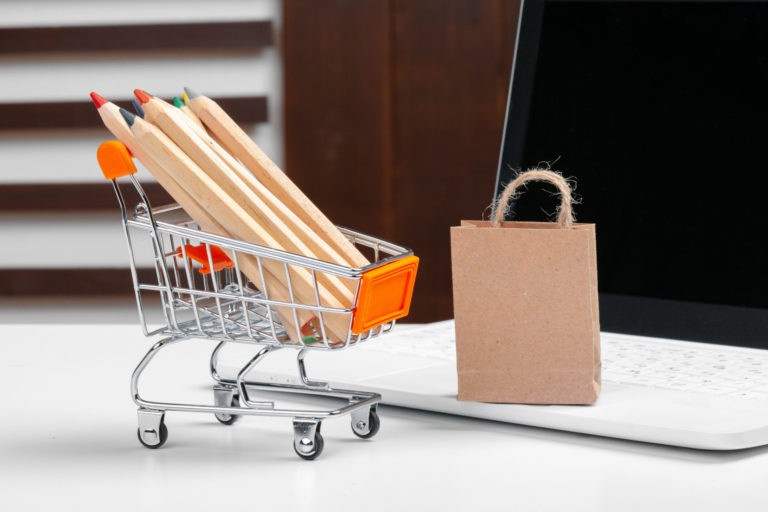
184	108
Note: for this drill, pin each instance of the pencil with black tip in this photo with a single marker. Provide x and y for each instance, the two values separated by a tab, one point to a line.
137	108
115	123
230	174
242	147
229	213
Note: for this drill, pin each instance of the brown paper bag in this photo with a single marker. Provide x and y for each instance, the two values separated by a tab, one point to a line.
525	302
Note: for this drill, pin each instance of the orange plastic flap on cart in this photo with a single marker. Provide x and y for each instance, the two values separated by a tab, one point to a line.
385	294
199	253
115	160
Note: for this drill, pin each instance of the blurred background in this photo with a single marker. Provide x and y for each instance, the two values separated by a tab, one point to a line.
387	113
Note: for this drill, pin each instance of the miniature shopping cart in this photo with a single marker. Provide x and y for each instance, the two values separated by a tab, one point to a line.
204	294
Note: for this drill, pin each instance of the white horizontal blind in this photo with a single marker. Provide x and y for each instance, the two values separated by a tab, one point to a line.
94	239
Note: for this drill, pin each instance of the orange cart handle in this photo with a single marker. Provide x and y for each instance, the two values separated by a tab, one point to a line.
385	294
115	160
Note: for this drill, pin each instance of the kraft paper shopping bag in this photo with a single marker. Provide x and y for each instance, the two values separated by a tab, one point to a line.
526	306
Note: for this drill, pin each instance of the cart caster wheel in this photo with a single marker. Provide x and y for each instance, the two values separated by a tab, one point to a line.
366	429
307	441
309	450
151	439
228	419
226	396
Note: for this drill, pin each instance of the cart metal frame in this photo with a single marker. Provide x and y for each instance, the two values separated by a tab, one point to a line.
224	306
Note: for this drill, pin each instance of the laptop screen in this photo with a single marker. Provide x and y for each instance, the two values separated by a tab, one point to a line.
659	110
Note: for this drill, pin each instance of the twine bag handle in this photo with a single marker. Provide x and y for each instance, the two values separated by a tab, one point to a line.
565	212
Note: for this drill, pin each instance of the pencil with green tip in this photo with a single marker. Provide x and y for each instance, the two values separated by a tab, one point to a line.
242	147
226	210
181	105
173	123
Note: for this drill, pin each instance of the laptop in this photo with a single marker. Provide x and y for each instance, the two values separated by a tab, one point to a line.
660	111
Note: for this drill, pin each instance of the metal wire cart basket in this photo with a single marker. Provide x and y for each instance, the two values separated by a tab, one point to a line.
204	294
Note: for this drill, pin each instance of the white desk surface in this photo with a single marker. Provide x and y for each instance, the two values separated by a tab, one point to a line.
68	443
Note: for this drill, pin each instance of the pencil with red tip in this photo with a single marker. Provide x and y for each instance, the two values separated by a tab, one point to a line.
115	121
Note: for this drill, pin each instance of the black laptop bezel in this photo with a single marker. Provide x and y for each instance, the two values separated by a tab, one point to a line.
633	313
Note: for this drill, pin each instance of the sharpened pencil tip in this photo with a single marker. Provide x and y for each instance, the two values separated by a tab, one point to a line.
97	100
137	108
185	98
129	118
190	93
142	96
177	102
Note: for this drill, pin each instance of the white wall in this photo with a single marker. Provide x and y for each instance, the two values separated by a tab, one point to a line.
55	156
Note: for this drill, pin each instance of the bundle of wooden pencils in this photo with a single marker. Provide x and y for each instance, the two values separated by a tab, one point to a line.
230	187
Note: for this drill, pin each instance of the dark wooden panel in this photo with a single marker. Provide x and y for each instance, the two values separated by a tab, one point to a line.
61	282
71	196
452	60
405	98
82	114
245	109
246	35
338	108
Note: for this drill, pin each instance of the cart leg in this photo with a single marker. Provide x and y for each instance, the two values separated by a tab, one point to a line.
307	440
365	422
213	367
303	373
142	403
152	430
226	396
253	404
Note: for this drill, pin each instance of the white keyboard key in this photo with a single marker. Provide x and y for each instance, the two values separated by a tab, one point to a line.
678	385
749	395
716	390
647	381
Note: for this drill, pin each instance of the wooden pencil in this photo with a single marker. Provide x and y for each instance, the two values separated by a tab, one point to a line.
229	213
184	108
115	123
230	174
241	146
175	126
193	117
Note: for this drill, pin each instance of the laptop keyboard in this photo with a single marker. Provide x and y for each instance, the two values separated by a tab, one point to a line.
667	364
686	366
